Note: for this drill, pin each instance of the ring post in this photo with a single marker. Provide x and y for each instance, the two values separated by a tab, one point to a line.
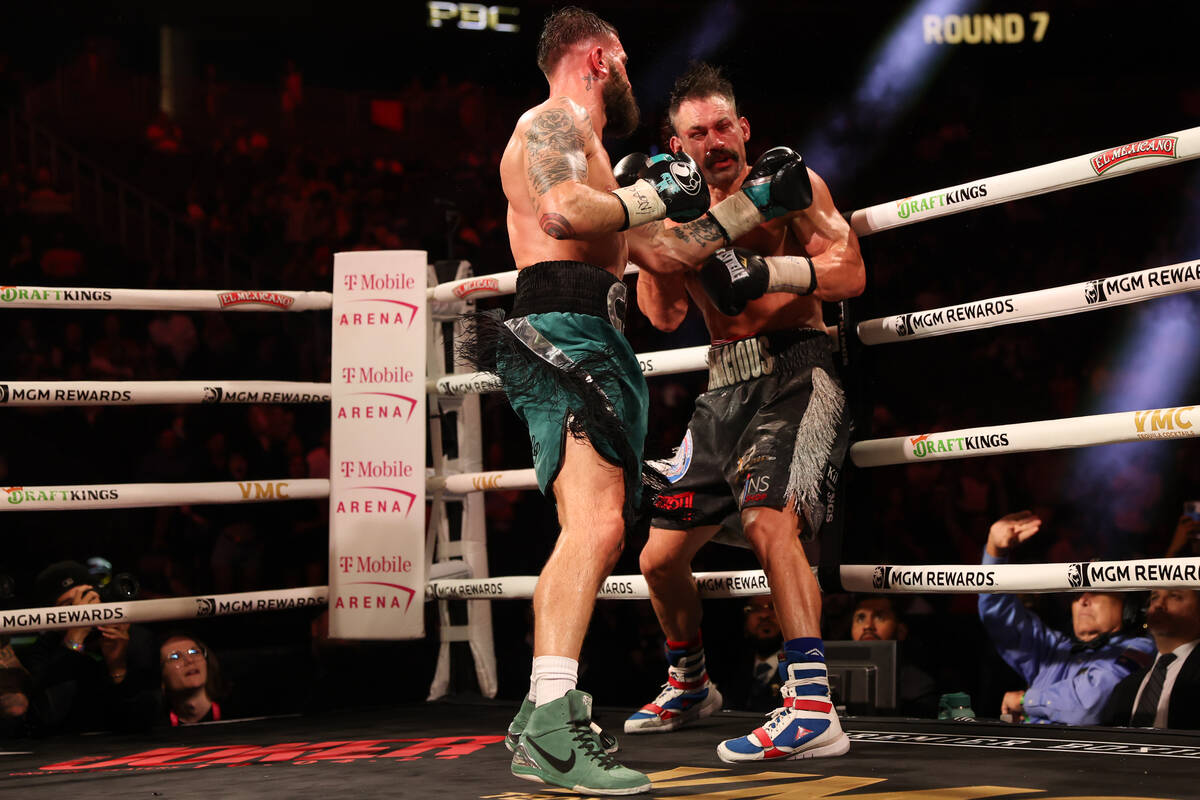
377	450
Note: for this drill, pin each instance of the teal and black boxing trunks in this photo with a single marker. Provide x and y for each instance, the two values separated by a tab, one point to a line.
771	431
566	366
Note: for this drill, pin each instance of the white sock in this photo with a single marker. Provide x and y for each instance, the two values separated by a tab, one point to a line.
532	687
553	677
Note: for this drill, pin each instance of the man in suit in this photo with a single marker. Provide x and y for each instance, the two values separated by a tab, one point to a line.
1166	694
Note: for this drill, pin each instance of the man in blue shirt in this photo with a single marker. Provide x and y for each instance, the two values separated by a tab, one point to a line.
1069	677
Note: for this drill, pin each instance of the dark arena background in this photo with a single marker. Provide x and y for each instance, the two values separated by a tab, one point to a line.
235	145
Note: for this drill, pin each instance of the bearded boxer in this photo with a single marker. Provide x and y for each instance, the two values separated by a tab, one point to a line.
760	462
566	366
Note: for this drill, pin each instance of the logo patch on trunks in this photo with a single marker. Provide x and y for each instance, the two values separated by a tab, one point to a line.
677	465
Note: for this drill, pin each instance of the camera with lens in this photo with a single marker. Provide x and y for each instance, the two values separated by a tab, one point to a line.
120	588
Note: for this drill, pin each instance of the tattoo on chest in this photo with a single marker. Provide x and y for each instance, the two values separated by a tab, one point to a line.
555	150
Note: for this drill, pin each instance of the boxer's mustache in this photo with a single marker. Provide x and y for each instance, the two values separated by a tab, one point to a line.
713	156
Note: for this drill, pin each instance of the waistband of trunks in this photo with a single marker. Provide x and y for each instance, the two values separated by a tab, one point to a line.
571	287
764	354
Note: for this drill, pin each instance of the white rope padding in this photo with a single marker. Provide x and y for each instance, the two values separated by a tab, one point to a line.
1104	576
1141	574
1111	576
660	362
1157	151
163	299
1024	437
141	393
468	482
1131	287
153	495
743	583
167	608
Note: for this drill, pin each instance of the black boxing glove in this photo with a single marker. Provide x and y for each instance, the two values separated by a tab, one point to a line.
732	277
778	184
629	169
666	186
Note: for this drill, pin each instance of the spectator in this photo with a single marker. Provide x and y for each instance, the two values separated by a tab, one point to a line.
87	678
878	618
1186	539
191	680
1069	677
752	681
1166	695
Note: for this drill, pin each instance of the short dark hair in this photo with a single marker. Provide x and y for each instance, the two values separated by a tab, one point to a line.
701	80
565	27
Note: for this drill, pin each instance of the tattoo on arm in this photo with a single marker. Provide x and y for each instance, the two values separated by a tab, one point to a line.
555	151
557	226
702	231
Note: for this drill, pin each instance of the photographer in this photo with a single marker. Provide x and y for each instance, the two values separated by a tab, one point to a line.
92	677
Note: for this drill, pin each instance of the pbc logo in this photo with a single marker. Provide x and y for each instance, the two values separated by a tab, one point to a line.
205	607
213	394
1094	293
903	325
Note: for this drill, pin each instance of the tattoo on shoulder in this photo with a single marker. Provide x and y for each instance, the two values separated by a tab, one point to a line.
555	150
704	230
557	226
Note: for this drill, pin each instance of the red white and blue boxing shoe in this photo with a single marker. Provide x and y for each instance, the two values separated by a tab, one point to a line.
805	726
680	702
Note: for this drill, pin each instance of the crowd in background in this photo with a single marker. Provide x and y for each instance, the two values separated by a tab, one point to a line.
288	200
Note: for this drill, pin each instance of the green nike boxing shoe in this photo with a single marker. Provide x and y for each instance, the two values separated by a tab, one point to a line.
558	747
517	726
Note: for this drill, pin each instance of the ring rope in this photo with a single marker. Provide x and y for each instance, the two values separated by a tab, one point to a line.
1131	287
154	495
1135	575
1055	434
140	393
163	299
1024	437
1109	576
1158	151
161	609
660	362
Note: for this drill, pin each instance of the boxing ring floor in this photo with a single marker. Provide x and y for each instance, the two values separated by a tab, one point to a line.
454	750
